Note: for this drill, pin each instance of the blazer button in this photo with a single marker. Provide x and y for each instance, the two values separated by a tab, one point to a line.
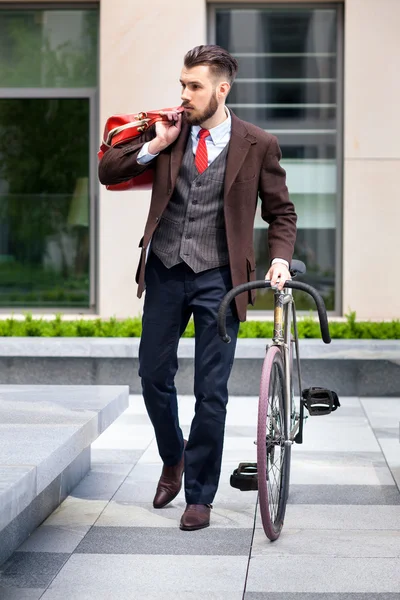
157	219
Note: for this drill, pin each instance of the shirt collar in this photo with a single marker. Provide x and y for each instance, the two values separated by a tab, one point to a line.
217	133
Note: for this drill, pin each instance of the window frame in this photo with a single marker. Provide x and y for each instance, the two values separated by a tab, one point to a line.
91	94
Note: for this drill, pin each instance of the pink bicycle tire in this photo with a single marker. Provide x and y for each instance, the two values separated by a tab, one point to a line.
272	527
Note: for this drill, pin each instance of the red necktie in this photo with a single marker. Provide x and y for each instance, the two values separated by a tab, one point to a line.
201	158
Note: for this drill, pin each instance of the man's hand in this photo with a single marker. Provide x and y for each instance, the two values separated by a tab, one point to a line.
166	131
278	271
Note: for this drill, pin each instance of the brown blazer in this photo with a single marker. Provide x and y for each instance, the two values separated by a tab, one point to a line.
252	170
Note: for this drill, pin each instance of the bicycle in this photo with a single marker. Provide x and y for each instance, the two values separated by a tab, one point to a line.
280	417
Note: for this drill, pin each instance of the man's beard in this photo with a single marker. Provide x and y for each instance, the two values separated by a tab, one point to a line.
198	119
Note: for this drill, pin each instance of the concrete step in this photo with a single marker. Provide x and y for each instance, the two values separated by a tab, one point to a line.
45	437
350	367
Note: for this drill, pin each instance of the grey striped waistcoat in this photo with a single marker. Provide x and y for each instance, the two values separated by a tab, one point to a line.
192	227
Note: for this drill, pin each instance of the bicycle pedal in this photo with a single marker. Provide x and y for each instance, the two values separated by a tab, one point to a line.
244	478
319	401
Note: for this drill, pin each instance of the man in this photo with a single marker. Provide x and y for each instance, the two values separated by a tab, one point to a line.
209	169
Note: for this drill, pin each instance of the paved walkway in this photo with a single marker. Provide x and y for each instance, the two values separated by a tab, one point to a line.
341	539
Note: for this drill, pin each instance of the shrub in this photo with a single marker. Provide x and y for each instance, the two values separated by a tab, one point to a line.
308	328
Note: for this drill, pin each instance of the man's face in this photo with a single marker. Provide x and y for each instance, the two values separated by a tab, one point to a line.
199	95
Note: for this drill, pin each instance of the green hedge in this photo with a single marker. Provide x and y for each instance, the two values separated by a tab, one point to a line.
308	328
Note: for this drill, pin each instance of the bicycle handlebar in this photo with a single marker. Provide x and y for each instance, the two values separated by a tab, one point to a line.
252	285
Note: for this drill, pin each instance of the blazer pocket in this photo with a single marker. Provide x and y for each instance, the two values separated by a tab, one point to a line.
245	174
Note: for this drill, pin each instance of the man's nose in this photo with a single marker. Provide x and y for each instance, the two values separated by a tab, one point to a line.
185	95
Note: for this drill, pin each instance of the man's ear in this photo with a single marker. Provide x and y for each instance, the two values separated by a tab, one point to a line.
223	89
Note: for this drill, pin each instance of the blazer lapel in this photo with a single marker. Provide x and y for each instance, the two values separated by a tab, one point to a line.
177	153
238	148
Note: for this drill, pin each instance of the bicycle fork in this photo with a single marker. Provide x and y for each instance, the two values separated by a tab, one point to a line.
282	338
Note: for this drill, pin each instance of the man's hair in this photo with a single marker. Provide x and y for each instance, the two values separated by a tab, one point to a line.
221	63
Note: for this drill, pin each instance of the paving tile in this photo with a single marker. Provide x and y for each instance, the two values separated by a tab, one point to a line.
382	412
241	431
21	593
125	437
102	482
237	416
139	492
354	459
329	574
109	456
347	517
54	539
151	455
146	577
165	540
328	542
143	471
306	596
119	514
148	594
76	512
387	433
339	435
227	494
308	468
391	451
344	494
31	569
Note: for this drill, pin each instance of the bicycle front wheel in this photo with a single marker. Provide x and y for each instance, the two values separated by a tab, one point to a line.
273	454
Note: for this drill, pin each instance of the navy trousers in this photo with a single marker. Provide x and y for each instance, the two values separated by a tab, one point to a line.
172	297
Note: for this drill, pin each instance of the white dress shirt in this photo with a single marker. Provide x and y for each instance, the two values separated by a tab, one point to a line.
215	142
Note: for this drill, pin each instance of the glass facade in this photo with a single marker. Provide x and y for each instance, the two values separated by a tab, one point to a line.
48	48
288	85
48	75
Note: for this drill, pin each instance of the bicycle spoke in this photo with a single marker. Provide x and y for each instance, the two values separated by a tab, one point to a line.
274	457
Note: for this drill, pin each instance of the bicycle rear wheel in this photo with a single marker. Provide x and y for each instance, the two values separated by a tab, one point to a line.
273	454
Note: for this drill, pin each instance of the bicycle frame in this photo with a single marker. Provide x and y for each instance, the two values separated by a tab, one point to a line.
284	315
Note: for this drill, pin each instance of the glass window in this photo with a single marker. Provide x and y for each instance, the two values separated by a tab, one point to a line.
288	85
48	79
44	202
48	48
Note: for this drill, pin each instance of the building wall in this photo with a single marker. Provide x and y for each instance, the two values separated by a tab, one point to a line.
371	285
141	56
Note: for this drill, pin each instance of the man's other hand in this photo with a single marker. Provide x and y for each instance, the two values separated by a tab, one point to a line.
278	271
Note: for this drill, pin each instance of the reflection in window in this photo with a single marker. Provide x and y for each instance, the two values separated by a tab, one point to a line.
48	48
287	85
44	202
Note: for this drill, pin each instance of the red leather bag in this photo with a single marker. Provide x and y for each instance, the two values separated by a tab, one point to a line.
120	129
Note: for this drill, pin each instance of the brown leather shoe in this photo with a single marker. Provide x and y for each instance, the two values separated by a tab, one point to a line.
196	516
169	484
